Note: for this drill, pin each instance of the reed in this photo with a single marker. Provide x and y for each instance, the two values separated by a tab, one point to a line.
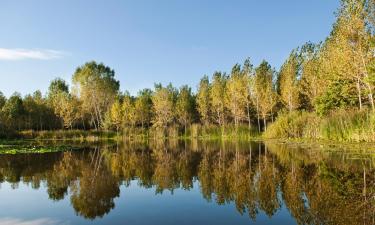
341	125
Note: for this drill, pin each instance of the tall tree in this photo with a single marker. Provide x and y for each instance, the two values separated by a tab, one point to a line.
57	86
217	91
311	80
248	73
67	109
236	94
185	105
129	113
203	100
265	91
97	88
58	89
143	107
163	106
288	81
346	57
116	115
2	103
3	100
14	112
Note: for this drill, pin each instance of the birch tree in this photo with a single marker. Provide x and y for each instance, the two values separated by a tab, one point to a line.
217	91
203	100
96	86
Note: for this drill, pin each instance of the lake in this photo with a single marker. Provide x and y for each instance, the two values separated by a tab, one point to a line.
188	182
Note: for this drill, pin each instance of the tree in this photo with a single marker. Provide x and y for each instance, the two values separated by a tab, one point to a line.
58	89
352	25
346	55
129	113
13	112
217	91
265	91
311	79
185	106
163	106
57	86
288	82
2	103
97	88
116	115
203	100
248	73
236	94
2	100
143	107
67	109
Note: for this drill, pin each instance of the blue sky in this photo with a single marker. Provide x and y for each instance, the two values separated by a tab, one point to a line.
150	41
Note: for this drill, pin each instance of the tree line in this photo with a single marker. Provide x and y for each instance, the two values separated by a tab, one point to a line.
317	77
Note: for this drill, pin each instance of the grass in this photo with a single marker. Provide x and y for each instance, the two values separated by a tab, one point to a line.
137	133
292	125
81	135
348	125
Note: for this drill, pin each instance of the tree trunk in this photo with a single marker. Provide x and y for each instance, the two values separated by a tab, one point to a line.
359	94
258	115
371	98
248	115
370	95
265	123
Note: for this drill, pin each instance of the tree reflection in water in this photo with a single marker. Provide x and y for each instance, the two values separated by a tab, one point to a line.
316	185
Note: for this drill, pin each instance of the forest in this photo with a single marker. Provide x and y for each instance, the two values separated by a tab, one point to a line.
322	91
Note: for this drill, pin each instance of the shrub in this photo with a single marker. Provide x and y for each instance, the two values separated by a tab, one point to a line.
349	125
339	125
296	124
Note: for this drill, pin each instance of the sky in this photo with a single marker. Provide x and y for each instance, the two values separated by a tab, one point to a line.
150	41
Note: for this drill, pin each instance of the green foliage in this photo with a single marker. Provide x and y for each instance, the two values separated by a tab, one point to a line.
339	94
56	86
295	124
203	100
13	112
237	94
163	105
97	88
217	91
288	82
2	100
265	96
185	106
349	125
241	132
79	135
340	125
143	107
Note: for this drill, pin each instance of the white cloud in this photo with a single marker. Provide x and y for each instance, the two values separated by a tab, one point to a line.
20	54
16	221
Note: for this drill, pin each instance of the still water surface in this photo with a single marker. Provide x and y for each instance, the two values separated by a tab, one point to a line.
190	182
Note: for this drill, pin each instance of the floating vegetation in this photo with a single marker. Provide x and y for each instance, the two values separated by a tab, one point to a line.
26	149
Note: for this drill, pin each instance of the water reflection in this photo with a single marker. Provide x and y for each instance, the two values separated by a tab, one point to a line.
316	185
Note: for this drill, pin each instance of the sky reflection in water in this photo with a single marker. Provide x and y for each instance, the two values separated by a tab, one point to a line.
189	183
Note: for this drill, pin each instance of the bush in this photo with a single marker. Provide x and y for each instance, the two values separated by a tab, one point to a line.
341	125
297	124
349	125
